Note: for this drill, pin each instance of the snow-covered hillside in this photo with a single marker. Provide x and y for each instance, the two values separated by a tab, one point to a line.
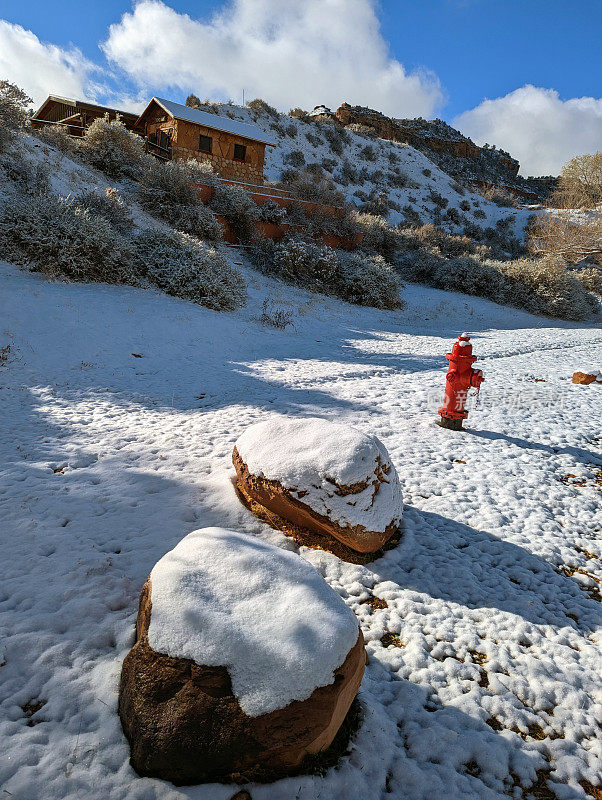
120	407
364	167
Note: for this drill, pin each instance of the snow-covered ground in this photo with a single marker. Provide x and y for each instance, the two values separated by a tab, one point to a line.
119	409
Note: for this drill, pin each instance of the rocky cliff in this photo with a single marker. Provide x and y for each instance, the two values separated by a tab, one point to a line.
455	153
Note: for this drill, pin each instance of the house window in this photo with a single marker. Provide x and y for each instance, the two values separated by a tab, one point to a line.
205	144
240	152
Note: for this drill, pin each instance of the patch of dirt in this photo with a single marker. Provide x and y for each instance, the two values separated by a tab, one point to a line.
591	790
375	603
593	591
391	639
30	708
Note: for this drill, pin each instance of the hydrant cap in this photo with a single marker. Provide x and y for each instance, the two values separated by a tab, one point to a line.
464	336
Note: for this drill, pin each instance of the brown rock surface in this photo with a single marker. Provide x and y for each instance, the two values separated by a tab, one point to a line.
583	378
271	495
185	725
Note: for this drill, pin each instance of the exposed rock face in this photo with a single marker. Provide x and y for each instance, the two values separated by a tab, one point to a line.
455	153
584	378
185	724
362	512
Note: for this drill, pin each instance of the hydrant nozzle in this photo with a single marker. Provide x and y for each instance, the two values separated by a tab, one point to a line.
461	376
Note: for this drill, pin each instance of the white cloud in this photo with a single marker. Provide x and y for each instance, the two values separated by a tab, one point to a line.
42	69
290	52
537	127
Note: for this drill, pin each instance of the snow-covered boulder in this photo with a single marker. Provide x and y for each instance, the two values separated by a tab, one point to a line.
320	478
245	662
585	378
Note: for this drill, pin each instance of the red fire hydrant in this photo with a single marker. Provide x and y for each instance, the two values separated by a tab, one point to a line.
460	378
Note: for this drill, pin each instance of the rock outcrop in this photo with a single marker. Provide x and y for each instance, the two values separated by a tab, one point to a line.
192	722
329	480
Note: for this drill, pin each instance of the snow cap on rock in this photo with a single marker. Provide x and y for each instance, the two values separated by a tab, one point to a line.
223	598
315	458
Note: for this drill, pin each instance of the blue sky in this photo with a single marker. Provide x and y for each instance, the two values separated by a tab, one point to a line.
532	59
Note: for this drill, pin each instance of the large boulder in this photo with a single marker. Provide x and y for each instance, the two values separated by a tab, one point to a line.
245	662
322	477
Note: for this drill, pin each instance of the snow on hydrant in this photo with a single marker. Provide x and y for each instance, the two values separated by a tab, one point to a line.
460	378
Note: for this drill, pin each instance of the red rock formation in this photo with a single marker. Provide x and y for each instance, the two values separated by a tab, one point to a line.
271	495
583	378
185	725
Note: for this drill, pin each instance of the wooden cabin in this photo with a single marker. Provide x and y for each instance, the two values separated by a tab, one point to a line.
77	115
235	149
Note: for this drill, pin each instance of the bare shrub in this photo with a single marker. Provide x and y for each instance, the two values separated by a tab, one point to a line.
497	195
166	190
580	182
465	205
313	139
110	147
368	153
357	277
183	266
411	217
478	213
24	174
574	235
313	185
274	317
550	288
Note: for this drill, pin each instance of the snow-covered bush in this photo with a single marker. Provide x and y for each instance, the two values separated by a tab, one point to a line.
110	147
109	205
13	111
167	191
591	278
299	113
552	289
367	280
379	236
239	210
541	286
57	136
361	278
262	108
301	260
294	159
26	175
272	212
183	266
55	235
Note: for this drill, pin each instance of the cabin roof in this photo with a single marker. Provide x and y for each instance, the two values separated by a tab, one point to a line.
81	105
243	129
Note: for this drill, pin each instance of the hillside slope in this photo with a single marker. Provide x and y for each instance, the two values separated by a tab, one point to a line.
120	408
364	168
